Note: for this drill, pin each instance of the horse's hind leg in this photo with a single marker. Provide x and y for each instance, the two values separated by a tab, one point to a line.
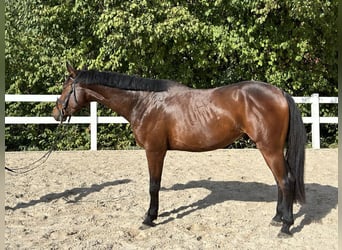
276	162
277	219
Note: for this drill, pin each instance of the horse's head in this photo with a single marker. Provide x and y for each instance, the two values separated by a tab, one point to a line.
71	99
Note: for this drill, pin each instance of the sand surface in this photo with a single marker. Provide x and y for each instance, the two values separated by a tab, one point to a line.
221	199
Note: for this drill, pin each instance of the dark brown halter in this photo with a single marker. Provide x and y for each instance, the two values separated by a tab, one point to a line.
65	103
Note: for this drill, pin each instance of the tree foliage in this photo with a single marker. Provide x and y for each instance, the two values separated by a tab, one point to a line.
291	44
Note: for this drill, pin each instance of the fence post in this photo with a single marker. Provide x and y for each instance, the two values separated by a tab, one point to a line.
315	128
93	126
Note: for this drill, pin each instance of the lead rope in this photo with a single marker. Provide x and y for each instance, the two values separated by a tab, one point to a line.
29	168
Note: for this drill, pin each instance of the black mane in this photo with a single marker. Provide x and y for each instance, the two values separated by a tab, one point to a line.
121	81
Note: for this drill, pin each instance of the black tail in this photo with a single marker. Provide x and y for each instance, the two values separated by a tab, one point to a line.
295	154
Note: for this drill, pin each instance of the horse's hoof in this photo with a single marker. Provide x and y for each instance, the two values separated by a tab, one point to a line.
276	223
285	232
283	235
147	223
144	227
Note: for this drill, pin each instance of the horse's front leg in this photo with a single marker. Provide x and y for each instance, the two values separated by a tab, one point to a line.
155	165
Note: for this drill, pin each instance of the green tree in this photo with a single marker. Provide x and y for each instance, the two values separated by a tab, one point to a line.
291	44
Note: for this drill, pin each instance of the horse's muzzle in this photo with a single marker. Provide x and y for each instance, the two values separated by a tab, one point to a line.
58	115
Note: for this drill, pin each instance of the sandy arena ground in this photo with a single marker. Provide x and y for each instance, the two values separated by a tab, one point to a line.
219	199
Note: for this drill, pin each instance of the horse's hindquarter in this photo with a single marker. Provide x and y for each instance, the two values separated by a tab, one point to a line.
265	115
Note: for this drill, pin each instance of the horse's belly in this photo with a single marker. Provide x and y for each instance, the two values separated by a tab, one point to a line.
202	140
202	127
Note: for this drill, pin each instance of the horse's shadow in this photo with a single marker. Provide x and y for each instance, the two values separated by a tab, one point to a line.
321	199
71	195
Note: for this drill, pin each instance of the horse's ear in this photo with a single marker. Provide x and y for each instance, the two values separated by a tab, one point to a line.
71	70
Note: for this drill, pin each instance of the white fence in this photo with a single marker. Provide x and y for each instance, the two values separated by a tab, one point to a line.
315	120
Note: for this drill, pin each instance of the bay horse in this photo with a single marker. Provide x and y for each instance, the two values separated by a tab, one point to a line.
166	115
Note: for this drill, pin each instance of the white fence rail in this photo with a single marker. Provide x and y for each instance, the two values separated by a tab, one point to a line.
315	120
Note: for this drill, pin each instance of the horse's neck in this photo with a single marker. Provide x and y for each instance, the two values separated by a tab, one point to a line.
120	101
